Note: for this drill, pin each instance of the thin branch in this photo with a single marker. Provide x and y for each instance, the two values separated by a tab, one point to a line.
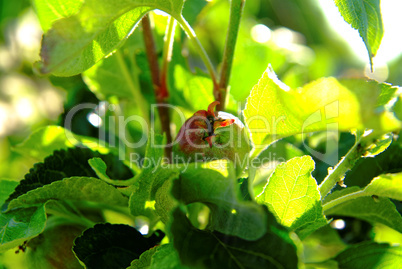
161	93
236	10
133	85
343	199
340	169
198	46
167	55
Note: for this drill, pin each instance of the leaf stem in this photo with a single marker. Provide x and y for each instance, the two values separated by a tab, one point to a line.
343	199
68	215
133	85
338	172
167	55
160	86
203	54
236	10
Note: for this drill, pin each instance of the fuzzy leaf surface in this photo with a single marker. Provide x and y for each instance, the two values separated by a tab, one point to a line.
68	163
20	225
215	184
76	43
214	250
49	11
380	210
274	111
364	16
75	189
370	255
292	195
112	245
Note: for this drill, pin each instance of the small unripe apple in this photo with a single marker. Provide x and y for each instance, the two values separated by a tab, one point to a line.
210	136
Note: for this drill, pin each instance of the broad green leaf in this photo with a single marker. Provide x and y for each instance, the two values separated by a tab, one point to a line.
370	255
117	74
390	161
364	16
388	185
76	43
280	151
274	111
112	245
73	188
322	245
6	188
106	79
196	88
42	142
214	250
215	184
164	256
144	261
292	195
372	210
49	11
68	163
20	225
154	173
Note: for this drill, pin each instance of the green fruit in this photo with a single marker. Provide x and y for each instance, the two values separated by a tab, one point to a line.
206	137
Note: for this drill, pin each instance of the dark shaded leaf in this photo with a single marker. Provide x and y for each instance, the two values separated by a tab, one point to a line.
204	249
68	163
112	246
370	255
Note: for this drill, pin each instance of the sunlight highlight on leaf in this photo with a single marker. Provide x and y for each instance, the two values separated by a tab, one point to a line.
292	195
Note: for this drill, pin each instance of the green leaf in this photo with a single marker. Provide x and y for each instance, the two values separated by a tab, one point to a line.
99	167
49	11
364	16
144	261
116	75
6	188
380	209
390	161
215	184
196	88
379	146
76	43
205	249
64	164
292	195
164	256
43	141
370	255
398	107
20	225
105	79
154	173
112	245
73	188
388	185
322	245
273	111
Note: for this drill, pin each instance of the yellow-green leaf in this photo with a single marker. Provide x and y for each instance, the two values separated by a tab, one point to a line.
292	196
